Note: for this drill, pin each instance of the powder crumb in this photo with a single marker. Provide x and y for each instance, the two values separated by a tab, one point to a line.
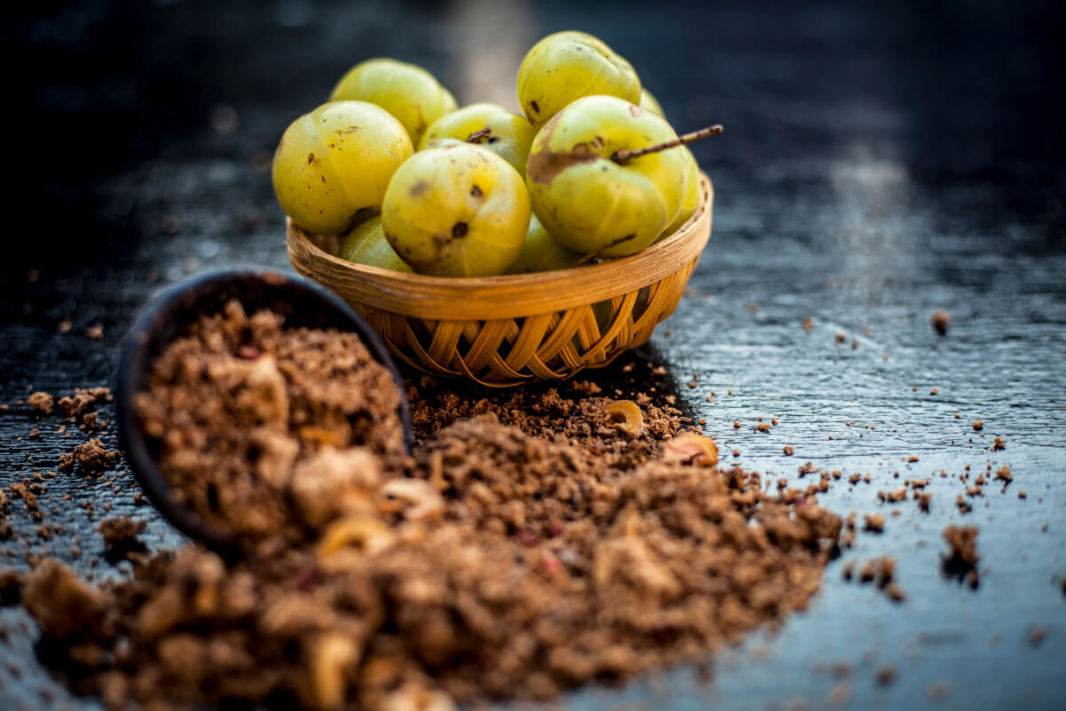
91	458
82	400
41	402
978	425
1037	635
808	324
95	333
881	571
64	327
940	321
875	523
121	537
894	496
895	593
587	386
885	675
841	337
998	444
962	557
789	450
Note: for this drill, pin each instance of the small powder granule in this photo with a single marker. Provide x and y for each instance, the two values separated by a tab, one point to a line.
940	320
875	523
121	537
962	558
41	402
526	546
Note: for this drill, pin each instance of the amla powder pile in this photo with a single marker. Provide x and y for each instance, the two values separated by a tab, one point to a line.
528	545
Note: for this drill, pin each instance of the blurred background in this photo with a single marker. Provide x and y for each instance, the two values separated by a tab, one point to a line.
120	108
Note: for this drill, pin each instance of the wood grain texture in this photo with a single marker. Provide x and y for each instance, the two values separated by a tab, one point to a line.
505	330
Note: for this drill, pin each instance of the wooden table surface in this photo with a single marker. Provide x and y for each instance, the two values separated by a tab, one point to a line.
878	163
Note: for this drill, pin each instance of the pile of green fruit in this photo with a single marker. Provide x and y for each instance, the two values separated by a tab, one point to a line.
398	177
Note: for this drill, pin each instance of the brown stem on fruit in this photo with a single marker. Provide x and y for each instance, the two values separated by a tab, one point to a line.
479	136
622	157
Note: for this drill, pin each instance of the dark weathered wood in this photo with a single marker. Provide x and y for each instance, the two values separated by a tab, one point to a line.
879	164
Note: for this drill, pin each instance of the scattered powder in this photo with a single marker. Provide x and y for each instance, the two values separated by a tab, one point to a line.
526	546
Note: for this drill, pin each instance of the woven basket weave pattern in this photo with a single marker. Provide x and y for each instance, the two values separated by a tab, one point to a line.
502	331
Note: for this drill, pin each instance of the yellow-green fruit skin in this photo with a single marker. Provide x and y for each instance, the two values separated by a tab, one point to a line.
587	201
458	210
648	102
541	253
407	91
692	191
336	161
566	66
366	244
490	126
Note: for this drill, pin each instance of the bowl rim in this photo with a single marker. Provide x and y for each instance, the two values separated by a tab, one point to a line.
509	295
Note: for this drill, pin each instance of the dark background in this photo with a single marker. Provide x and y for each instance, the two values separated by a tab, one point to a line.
880	160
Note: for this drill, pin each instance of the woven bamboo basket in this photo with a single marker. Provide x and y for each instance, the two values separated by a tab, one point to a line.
506	330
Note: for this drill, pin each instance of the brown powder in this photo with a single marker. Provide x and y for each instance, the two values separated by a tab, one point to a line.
885	675
961	560
237	403
121	537
82	400
940	321
875	523
527	546
41	402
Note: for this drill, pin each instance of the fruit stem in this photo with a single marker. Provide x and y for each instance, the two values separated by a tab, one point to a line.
622	157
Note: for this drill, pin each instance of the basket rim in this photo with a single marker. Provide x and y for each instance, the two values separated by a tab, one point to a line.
508	295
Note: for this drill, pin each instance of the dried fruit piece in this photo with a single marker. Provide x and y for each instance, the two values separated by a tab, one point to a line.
414	697
626	416
332	656
416	498
691	449
335	483
370	535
